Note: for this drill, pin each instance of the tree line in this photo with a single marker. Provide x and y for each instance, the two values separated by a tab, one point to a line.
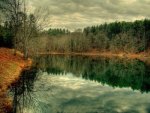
120	36
128	37
21	32
57	32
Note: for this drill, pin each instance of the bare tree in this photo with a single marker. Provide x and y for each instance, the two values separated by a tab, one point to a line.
15	12
25	25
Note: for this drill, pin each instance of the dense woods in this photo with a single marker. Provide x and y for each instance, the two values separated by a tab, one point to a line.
120	36
128	37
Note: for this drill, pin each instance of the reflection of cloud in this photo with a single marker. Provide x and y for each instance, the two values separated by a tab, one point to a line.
80	13
71	95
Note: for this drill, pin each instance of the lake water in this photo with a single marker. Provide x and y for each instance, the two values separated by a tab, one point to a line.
73	84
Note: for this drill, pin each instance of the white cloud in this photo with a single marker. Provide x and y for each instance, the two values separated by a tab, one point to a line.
74	14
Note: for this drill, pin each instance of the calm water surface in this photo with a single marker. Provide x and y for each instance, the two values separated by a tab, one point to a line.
71	84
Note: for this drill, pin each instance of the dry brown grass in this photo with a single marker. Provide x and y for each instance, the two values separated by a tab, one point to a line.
104	54
10	69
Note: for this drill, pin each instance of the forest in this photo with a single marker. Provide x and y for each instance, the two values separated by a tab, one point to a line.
127	37
22	31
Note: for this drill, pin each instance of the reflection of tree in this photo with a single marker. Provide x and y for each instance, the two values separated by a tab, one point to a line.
23	91
115	72
121	74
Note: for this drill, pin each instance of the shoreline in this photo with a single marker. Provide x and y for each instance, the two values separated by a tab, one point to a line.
143	56
105	54
10	69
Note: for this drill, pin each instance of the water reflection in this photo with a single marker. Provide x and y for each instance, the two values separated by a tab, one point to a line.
74	84
114	72
22	91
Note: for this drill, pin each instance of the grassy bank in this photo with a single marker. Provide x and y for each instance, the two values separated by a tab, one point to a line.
143	56
10	69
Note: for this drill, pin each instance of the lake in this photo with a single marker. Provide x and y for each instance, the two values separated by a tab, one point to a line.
81	84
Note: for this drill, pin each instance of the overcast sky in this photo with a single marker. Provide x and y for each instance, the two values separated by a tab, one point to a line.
73	14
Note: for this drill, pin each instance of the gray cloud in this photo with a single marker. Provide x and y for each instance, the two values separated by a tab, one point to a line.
74	14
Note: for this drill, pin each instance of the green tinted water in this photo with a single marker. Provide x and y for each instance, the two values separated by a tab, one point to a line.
74	84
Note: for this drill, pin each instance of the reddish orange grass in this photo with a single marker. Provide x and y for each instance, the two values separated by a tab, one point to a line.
10	69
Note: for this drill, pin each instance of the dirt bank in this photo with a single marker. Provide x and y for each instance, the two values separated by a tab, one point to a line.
10	69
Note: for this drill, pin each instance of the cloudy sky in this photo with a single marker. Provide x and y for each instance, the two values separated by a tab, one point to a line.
73	14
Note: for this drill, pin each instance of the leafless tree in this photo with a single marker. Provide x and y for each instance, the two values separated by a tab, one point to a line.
25	24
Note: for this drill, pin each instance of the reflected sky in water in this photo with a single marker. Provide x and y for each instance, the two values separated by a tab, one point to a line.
65	91
69	94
